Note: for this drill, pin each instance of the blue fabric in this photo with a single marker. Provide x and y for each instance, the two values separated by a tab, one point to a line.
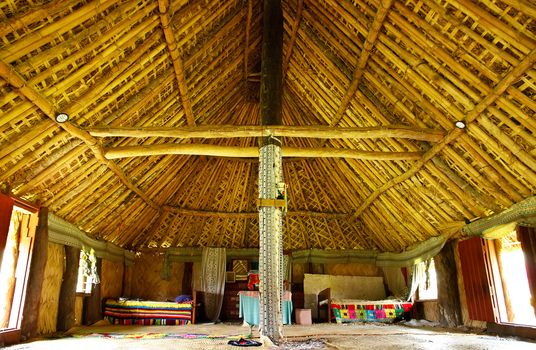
250	310
183	299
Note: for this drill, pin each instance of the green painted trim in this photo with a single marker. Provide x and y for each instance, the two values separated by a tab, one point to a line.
65	233
522	213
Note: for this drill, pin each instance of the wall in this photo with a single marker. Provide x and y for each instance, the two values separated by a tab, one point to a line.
111	279
50	293
426	310
147	282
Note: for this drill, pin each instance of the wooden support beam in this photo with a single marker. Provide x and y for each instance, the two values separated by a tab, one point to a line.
363	59
252	152
66	311
526	64
14	79
308	131
447	287
250	214
163	6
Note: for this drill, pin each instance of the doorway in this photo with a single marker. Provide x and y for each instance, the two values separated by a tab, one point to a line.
15	257
515	285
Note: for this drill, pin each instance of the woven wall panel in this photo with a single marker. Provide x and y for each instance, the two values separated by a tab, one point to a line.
147	281
111	279
50	294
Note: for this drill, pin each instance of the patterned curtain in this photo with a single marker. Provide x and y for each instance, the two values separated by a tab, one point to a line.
213	281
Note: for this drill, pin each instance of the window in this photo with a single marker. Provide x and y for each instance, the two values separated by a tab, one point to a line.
428	285
87	271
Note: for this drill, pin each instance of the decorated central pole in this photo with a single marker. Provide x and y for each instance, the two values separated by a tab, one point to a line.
270	176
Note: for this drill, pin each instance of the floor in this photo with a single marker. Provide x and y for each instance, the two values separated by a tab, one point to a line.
296	337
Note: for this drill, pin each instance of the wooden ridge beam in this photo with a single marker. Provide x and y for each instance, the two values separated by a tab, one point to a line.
383	9
526	64
14	79
252	152
231	131
163	6
250	215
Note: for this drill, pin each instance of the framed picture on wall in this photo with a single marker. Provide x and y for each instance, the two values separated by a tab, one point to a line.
229	277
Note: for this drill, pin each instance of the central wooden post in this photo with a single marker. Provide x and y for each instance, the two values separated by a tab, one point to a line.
270	174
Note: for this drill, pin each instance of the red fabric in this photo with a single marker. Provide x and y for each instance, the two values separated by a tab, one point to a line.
6	208
253	279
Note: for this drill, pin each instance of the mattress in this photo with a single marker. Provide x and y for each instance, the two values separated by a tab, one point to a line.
147	312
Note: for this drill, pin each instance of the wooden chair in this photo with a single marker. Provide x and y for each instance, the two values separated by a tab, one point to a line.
324	301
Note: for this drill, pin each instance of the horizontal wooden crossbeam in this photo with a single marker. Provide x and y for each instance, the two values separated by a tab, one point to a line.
232	131
252	152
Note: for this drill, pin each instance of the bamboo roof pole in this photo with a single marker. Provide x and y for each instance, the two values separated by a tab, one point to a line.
325	201
497	172
84	199
309	131
528	163
34	156
517	129
293	35
10	75
372	35
512	76
111	53
409	229
525	44
498	148
294	178
45	173
32	15
439	54
163	6
14	145
75	182
44	35
445	57
249	14
120	30
250	185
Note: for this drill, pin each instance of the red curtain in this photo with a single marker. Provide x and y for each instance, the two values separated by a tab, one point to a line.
526	236
6	208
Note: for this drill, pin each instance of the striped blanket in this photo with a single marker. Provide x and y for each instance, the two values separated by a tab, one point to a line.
133	312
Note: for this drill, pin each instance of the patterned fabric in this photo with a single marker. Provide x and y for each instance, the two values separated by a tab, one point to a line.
270	242
213	266
387	311
132	312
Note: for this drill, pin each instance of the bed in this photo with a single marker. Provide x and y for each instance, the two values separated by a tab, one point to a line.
351	310
146	312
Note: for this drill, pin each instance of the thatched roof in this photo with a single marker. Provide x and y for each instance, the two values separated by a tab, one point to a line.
405	71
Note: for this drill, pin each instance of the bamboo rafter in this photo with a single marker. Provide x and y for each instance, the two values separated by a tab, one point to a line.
293	35
232	131
163	6
385	5
14	79
527	63
252	152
